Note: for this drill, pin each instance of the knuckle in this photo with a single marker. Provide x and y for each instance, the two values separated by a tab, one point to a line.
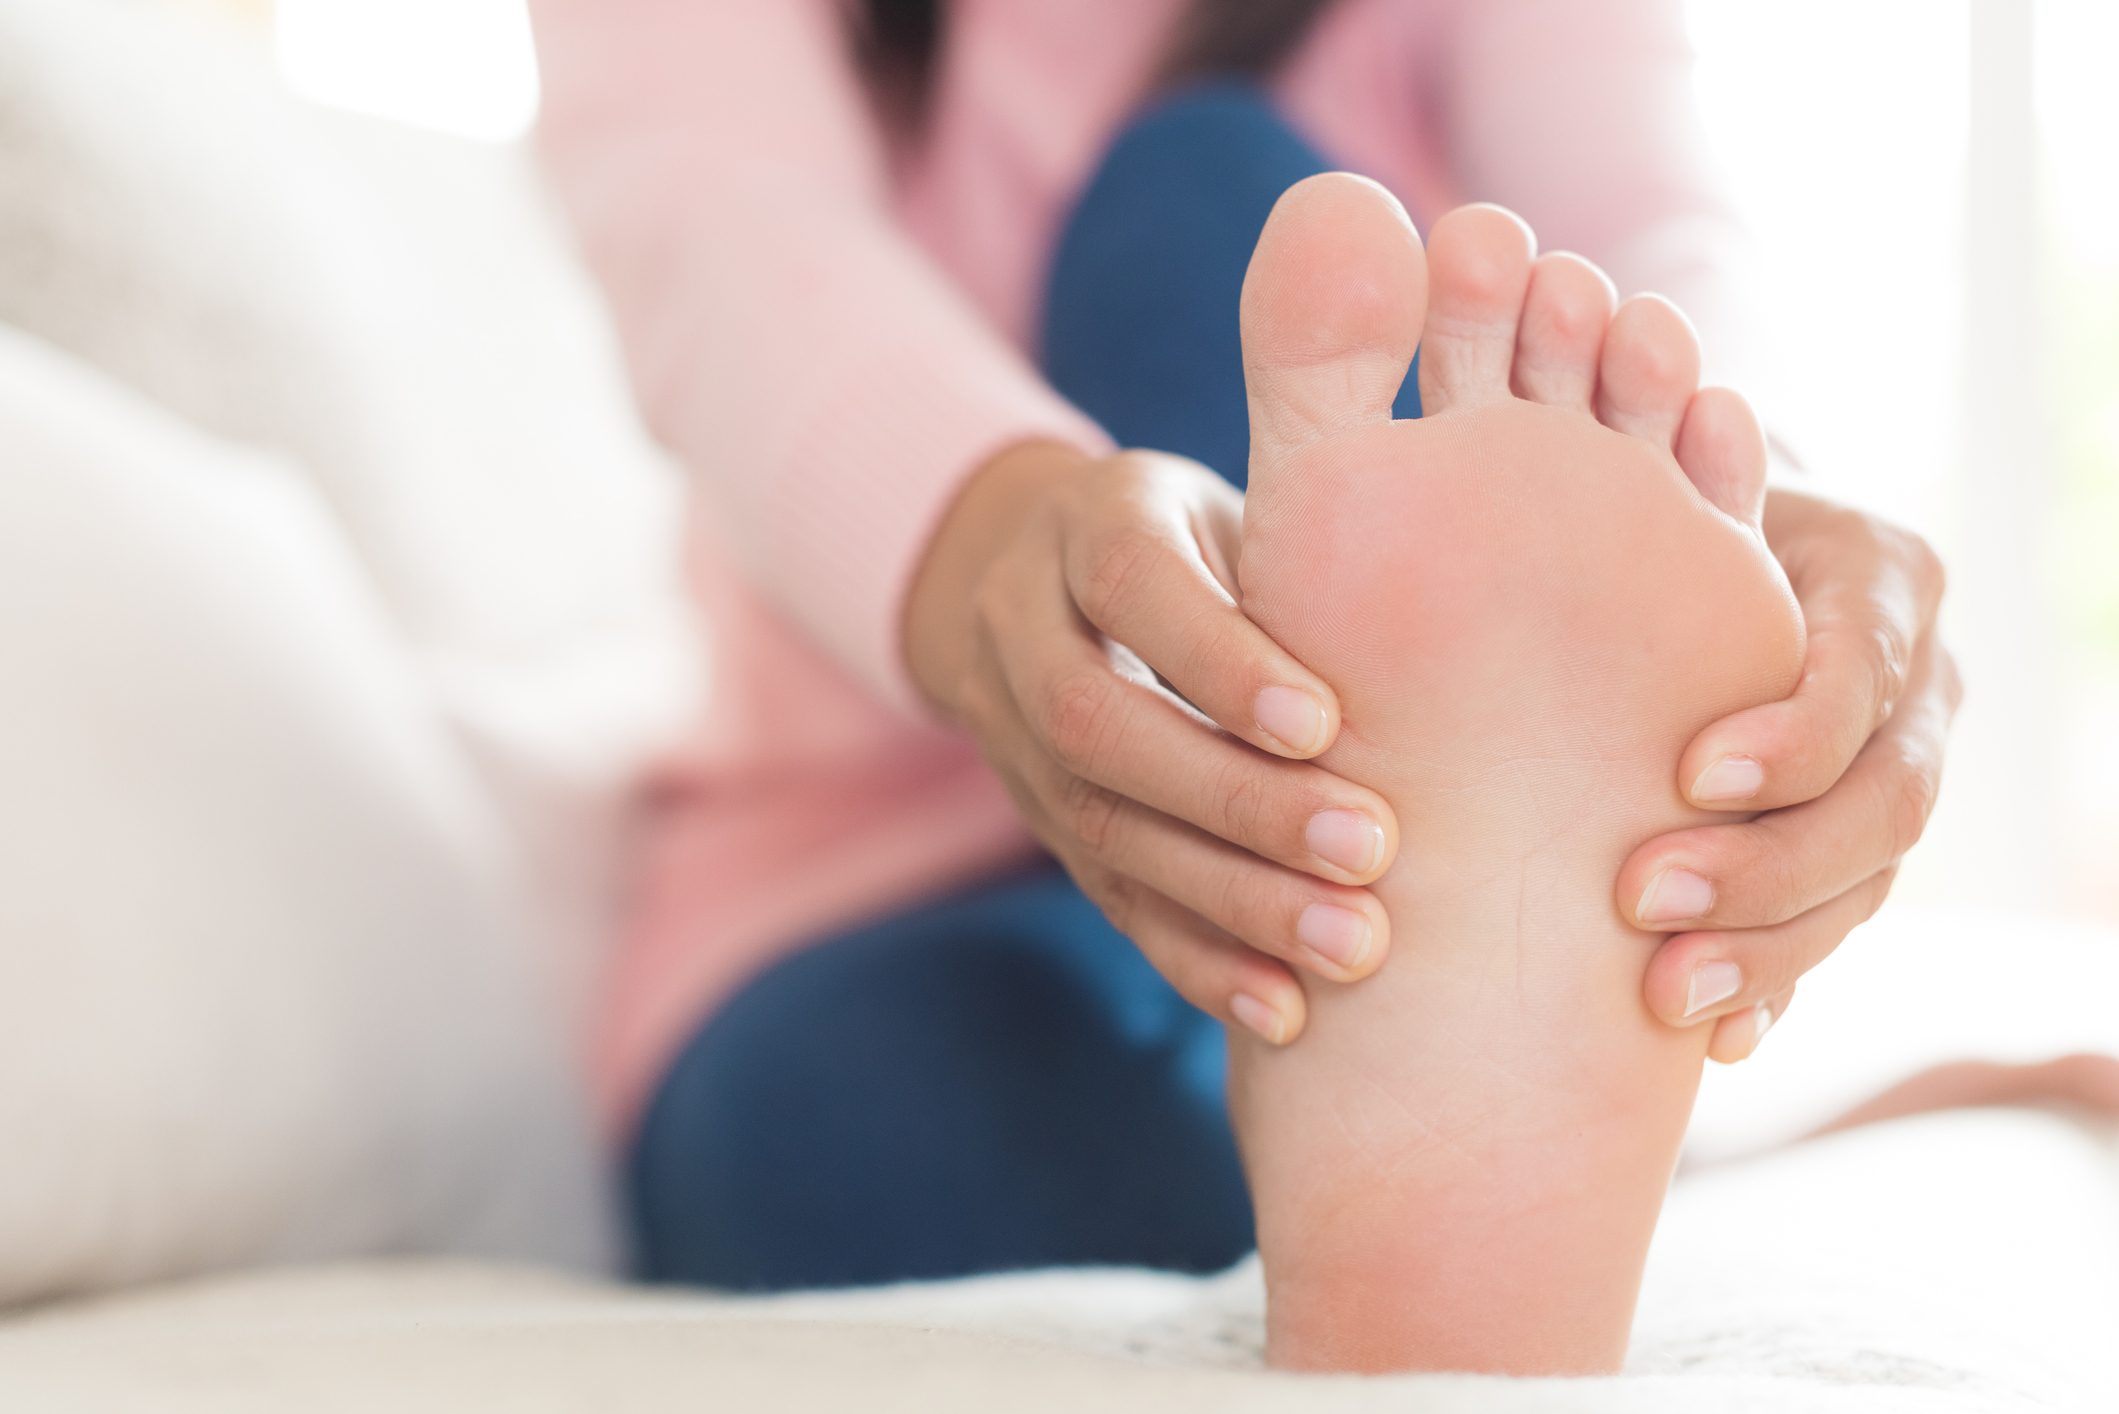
1079	716
1890	659
1856	531
1801	749
1780	883
1093	815
1209	646
1238	905
1898	545
1118	557
1126	477
1239	803
1878	543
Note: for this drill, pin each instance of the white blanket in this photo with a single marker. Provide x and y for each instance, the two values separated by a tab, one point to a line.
1952	1263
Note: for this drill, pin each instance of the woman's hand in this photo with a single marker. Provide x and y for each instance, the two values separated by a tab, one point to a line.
1077	615
1845	770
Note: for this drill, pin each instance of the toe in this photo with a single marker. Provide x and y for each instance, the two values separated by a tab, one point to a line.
1649	370
1479	258
1723	450
1565	315
1332	307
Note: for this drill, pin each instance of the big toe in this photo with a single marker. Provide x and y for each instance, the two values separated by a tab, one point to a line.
1332	308
1481	259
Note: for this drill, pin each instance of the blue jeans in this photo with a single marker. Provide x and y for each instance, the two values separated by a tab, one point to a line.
997	1079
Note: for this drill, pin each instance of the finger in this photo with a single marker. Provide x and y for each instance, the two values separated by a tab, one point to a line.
1129	737
1139	575
1333	931
1701	977
1212	971
1208	968
1788	861
1869	593
1736	1037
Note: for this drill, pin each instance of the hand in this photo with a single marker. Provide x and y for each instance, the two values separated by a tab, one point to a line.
1845	770
1075	614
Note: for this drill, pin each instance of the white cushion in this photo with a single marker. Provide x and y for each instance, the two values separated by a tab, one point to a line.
268	987
339	591
398	316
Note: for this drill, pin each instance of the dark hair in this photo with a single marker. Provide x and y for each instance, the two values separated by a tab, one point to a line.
898	43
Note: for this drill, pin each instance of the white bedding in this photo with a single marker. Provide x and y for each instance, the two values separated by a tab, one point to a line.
1956	1262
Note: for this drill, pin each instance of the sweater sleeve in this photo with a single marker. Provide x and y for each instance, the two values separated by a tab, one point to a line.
1584	119
825	385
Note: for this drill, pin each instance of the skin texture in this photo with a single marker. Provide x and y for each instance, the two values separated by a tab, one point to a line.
1077	615
1848	770
1198	841
1528	607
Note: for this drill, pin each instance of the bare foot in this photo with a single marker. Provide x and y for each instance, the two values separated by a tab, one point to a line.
1528	601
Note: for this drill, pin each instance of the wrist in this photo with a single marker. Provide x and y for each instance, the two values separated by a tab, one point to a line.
997	504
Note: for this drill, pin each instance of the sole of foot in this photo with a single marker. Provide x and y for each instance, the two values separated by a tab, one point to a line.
1528	601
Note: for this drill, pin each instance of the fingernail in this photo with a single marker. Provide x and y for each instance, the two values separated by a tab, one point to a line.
1336	934
1257	1016
1291	717
1730	778
1346	838
1675	894
1762	1024
1711	982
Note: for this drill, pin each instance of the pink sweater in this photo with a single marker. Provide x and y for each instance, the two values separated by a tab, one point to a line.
831	342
